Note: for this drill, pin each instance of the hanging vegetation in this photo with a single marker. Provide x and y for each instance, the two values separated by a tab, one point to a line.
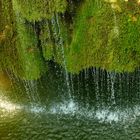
8	55
30	59
75	34
106	36
36	10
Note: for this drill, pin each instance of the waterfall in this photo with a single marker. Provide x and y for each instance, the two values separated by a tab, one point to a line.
86	80
61	44
116	27
31	91
97	84
72	83
112	78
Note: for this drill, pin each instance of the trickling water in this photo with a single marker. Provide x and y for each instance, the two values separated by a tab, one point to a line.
116	27
31	91
72	83
97	84
112	79
63	55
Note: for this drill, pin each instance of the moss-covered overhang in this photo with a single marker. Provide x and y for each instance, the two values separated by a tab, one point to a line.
36	10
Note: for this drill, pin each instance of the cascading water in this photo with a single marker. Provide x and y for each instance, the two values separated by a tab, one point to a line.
59	89
60	44
104	107
116	27
112	76
97	84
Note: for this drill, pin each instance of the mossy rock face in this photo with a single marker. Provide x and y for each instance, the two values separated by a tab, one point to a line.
89	33
8	55
18	45
47	40
54	38
30	61
106	36
36	10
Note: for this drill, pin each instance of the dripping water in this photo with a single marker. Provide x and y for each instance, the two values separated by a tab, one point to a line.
116	27
112	79
31	91
63	55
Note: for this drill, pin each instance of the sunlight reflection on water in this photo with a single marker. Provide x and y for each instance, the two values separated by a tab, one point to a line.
72	108
8	106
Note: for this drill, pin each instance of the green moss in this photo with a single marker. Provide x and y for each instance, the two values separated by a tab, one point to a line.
36	10
90	36
98	34
7	36
54	37
105	37
30	61
47	40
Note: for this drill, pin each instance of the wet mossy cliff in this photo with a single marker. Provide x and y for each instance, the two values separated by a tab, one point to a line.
76	34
